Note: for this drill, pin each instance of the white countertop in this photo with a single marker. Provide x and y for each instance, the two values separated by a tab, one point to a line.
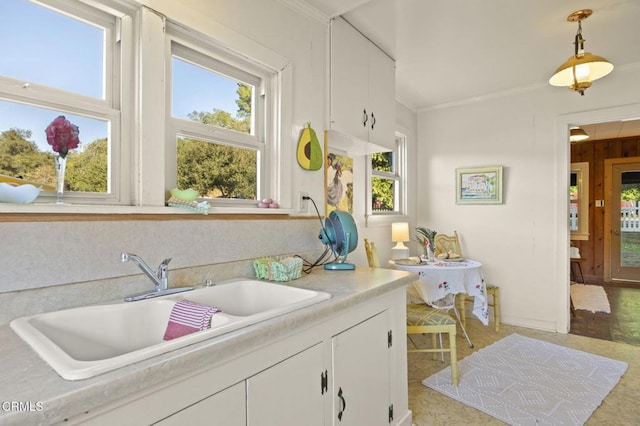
29	380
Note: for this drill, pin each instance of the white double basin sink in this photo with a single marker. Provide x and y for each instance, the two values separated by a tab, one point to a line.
83	342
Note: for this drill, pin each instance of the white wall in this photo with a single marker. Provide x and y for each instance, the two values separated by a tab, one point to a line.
522	243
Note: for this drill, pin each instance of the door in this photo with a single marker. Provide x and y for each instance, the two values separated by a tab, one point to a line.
227	407
622	219
382	98
361	374
349	80
288	394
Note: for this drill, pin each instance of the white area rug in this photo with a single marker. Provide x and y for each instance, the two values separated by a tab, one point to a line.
525	381
590	298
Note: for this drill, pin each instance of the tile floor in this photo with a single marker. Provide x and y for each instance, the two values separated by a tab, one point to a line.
429	407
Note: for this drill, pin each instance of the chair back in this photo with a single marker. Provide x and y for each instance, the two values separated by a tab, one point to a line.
444	243
372	254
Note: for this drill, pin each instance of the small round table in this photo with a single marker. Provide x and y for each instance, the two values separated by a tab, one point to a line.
439	278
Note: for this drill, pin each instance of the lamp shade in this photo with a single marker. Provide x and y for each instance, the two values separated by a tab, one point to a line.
582	68
400	232
579	70
577	134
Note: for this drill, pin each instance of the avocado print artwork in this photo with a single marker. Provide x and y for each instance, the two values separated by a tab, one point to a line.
309	152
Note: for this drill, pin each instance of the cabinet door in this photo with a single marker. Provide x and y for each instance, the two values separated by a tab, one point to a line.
289	393
227	407
349	80
361	373
382	98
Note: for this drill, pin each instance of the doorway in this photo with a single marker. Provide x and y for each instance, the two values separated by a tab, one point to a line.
622	219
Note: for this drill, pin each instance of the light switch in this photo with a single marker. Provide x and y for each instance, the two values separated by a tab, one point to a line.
599	203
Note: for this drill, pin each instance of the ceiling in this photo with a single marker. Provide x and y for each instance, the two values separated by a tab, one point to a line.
452	51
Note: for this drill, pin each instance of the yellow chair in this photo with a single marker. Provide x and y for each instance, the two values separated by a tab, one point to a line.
494	292
443	244
372	254
423	319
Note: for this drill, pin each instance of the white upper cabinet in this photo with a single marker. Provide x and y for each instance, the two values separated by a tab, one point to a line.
362	87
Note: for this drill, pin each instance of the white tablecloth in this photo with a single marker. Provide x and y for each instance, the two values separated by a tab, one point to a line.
441	278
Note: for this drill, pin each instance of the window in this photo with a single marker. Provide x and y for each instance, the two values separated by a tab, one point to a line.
387	182
158	105
218	124
62	58
579	201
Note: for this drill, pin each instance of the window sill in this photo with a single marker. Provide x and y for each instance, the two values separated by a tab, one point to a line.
385	220
37	212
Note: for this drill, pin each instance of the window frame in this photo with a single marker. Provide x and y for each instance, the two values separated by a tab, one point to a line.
201	51
400	178
581	171
139	159
117	24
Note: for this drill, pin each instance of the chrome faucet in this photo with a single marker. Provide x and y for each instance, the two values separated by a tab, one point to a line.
160	278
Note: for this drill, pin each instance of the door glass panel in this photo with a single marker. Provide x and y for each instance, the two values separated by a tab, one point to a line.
629	225
624	249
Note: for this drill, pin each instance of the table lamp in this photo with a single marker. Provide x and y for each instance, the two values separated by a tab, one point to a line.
400	234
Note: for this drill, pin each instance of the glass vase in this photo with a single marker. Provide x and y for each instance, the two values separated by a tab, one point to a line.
60	164
432	255
428	255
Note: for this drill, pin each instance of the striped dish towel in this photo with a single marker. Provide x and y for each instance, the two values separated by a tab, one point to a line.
188	317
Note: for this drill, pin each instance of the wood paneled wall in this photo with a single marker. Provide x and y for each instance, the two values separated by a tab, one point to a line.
595	152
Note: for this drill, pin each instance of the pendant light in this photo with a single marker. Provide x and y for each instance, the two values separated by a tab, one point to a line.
582	68
577	134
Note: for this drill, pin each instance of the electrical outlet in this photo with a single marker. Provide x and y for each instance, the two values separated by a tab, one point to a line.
303	205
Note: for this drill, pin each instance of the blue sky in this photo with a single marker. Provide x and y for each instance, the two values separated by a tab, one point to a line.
44	47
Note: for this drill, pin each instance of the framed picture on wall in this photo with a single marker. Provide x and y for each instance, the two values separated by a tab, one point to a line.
479	185
339	182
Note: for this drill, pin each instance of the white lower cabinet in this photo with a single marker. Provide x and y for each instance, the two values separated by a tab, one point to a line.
289	393
361	373
226	407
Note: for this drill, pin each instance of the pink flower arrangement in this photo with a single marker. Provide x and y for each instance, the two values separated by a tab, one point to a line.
62	135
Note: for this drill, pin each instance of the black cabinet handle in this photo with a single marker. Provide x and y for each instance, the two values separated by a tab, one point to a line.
373	122
365	118
344	404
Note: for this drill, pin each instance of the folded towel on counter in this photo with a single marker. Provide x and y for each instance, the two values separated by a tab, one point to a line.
188	317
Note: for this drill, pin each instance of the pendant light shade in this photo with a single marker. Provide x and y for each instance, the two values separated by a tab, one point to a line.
577	134
582	68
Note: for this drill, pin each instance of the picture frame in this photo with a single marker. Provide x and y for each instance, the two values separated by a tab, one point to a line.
338	180
479	185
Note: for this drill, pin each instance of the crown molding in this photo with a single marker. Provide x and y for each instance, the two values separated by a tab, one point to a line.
305	9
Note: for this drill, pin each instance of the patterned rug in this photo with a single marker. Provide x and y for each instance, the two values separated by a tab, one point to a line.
525	381
590	298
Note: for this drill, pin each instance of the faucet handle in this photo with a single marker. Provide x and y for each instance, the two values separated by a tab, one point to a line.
163	269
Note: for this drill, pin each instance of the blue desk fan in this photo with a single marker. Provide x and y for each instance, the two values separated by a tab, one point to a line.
341	234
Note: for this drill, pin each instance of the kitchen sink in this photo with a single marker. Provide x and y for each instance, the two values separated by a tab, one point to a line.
83	342
250	297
